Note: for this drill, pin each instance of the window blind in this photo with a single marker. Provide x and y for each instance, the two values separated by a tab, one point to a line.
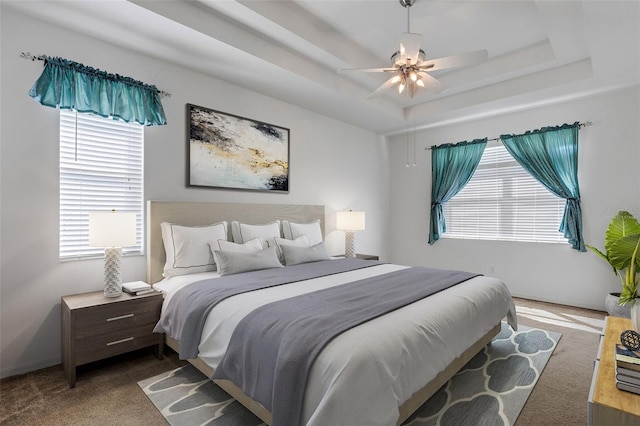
103	171
503	202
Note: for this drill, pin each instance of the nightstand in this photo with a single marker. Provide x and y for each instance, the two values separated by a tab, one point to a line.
95	327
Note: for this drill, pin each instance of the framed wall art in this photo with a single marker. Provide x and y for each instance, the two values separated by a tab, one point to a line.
229	151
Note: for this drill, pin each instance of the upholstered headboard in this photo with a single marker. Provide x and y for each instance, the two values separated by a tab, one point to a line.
200	213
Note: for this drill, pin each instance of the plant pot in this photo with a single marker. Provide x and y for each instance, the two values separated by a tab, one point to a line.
612	304
635	314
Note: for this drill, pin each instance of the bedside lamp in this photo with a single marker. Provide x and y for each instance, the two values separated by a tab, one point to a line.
112	230
350	222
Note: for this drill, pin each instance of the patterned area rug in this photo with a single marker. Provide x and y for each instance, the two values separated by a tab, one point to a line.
490	390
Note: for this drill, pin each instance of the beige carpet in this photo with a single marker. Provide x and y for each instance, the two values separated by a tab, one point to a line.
107	393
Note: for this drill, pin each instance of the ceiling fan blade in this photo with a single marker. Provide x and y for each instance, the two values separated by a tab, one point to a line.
387	84
343	70
432	84
462	60
410	47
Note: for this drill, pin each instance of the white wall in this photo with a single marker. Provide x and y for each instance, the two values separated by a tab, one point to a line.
609	154
331	163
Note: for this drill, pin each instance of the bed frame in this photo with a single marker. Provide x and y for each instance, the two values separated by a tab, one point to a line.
195	213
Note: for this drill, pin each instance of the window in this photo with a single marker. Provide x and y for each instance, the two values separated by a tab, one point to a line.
503	202
102	170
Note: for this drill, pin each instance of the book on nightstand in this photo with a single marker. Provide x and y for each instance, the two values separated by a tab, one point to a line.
628	366
635	381
628	387
627	355
627	369
137	288
626	358
627	372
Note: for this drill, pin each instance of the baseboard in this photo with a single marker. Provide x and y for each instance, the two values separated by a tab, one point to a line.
15	370
559	302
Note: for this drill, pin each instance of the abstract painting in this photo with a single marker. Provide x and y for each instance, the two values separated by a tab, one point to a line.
229	151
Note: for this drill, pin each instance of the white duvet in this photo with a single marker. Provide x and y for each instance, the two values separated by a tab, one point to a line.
364	375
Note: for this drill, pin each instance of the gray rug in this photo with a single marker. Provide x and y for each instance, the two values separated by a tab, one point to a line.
490	390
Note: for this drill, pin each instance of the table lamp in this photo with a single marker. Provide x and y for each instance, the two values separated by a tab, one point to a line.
112	230
350	222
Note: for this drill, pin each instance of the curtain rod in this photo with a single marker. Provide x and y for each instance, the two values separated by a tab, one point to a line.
580	125
31	57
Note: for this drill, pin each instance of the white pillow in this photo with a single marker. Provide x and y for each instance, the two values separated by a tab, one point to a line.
292	230
250	246
243	232
301	241
233	262
295	255
187	247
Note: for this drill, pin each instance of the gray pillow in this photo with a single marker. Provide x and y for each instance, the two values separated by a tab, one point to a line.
231	262
294	255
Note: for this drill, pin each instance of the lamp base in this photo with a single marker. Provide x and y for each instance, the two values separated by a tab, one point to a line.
350	244
112	276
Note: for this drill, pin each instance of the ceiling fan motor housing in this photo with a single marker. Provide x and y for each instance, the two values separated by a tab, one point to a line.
407	3
396	58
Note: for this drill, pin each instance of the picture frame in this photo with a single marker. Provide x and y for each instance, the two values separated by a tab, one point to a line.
233	152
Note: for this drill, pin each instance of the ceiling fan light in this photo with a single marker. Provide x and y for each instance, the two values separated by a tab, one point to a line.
420	83
401	88
395	79
413	76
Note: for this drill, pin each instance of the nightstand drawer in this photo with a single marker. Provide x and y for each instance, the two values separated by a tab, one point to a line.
116	316
93	348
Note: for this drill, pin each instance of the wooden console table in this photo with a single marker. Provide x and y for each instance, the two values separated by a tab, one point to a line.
607	405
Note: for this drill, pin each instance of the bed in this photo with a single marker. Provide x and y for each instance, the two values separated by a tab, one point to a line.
379	372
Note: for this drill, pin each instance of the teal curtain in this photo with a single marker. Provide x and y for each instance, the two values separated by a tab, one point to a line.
70	85
452	166
550	155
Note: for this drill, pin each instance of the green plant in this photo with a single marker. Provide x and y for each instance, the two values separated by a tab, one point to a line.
621	251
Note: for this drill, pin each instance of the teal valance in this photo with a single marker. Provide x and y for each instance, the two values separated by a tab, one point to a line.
70	85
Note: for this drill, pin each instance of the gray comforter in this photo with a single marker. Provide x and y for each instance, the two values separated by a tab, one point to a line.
272	349
184	318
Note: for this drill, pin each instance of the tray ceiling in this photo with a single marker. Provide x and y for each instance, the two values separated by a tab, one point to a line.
540	52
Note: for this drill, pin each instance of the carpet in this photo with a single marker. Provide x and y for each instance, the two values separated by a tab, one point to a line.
490	390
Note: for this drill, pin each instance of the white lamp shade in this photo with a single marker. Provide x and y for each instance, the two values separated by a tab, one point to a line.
350	221
112	229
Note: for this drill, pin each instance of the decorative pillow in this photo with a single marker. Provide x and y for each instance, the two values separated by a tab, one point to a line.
243	232
292	230
247	247
295	255
187	247
232	262
250	246
301	241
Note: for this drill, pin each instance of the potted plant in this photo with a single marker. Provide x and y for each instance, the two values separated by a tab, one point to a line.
622	252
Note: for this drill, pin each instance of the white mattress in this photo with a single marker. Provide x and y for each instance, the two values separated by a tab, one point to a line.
385	360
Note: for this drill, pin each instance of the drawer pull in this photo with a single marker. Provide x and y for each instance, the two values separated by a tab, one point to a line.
120	317
128	339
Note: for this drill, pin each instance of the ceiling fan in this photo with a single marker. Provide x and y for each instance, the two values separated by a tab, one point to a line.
409	64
